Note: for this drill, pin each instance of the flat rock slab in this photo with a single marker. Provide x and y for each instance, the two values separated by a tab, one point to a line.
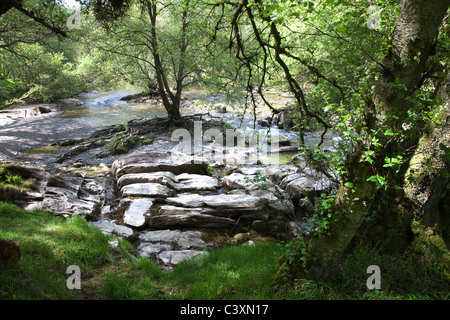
187	200
181	183
162	177
146	190
174	162
196	182
234	201
137	212
175	257
177	239
224	201
174	210
108	227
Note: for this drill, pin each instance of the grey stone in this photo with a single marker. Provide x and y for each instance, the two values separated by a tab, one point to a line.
174	162
145	190
66	203
277	173
287	149
234	201
148	249
108	227
249	171
197	182
237	181
298	187
162	177
175	238
174	210
175	257
137	212
187	200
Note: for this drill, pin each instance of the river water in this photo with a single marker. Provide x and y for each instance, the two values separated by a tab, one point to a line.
106	109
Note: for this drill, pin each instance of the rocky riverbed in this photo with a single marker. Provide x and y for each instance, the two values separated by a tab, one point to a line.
172	205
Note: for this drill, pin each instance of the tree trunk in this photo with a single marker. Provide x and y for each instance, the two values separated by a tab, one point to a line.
415	33
170	101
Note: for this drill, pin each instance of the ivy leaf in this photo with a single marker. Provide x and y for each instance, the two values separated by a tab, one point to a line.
328	108
348	185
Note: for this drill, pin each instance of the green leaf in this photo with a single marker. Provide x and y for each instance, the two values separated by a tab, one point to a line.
328	107
389	132
348	185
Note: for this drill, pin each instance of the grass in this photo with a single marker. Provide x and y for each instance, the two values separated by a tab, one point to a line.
14	176
50	244
42	150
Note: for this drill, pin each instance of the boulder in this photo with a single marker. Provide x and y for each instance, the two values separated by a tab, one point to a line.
70	196
286	149
277	173
66	203
237	181
301	186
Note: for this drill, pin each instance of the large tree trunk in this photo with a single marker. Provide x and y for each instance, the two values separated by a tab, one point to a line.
415	33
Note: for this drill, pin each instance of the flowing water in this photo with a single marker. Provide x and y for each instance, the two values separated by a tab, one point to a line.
106	109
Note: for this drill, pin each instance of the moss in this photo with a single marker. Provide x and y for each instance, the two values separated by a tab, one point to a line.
43	150
281	269
427	240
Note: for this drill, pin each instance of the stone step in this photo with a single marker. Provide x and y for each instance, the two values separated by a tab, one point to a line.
174	162
151	190
137	212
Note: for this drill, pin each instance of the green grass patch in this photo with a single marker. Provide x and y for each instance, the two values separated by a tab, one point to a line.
235	272
42	150
13	175
50	244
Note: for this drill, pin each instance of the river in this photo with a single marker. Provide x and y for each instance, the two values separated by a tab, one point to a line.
106	108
